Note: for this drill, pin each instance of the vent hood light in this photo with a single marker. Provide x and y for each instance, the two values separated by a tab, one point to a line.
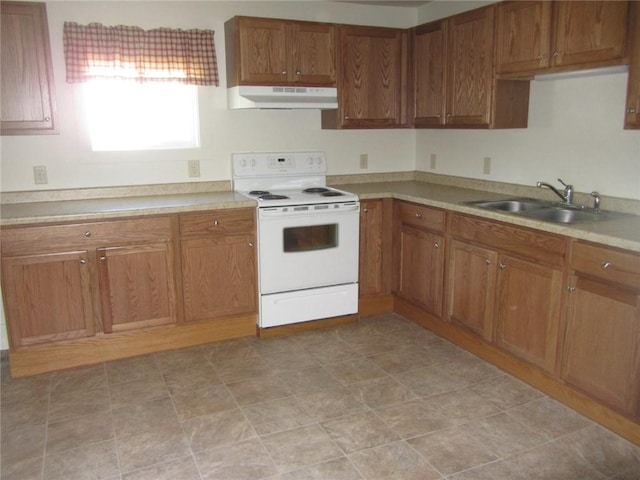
592	72
245	96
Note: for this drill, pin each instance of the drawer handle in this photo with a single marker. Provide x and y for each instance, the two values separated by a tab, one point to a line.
87	234
418	215
606	264
502	266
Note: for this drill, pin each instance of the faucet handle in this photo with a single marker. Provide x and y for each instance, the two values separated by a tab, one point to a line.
596	201
563	184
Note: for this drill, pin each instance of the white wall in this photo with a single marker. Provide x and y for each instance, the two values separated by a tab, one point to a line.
71	163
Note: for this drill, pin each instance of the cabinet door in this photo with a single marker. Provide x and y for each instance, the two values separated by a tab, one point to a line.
602	344
373	75
262	51
429	59
47	297
523	34
588	32
136	286
632	117
470	68
421	268
218	277
371	247
28	103
471	287
312	54
528	298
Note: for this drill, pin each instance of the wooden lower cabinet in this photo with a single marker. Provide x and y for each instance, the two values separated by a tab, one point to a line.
47	297
420	256
602	342
528	310
218	264
504	283
375	247
218	276
471	283
136	286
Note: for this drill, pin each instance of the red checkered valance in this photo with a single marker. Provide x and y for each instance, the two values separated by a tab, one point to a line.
160	55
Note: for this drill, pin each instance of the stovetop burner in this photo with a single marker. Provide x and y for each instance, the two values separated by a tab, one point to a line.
259	192
331	194
315	190
273	196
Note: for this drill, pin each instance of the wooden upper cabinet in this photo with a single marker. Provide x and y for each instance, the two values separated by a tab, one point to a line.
371	79
632	114
429	59
588	32
523	36
453	76
534	36
27	87
263	51
470	67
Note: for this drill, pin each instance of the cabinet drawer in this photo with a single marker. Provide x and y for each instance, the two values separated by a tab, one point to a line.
232	221
23	240
606	263
528	243
421	216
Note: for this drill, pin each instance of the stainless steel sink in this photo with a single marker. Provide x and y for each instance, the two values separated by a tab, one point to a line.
515	205
548	211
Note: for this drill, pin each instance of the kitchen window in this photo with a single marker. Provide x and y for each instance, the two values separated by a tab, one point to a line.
140	85
125	115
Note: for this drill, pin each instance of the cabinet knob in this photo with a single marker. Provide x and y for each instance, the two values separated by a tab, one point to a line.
571	289
346	117
487	261
448	114
418	215
542	56
103	259
436	245
557	53
83	261
251	244
284	72
365	210
298	72
47	119
606	264
502	266
438	115
631	110
216	223
87	234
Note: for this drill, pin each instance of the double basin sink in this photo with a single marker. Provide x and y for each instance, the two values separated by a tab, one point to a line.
555	212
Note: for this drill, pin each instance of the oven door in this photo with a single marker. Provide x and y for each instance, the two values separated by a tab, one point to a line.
308	246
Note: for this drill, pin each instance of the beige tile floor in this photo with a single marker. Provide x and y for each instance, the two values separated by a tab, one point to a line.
382	399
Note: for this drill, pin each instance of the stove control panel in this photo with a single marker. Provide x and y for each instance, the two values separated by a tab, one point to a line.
278	164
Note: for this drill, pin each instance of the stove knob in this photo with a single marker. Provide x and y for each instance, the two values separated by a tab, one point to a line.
243	163
310	160
253	162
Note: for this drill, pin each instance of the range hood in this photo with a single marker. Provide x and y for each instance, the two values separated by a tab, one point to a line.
245	96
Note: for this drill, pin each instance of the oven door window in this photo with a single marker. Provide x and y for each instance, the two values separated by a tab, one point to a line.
311	237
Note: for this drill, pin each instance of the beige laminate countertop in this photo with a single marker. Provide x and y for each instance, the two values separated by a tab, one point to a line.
623	233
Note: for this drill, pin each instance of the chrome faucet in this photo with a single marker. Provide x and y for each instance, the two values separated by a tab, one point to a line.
566	196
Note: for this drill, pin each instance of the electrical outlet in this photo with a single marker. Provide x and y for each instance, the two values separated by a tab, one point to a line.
194	168
432	161
486	166
364	161
40	175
